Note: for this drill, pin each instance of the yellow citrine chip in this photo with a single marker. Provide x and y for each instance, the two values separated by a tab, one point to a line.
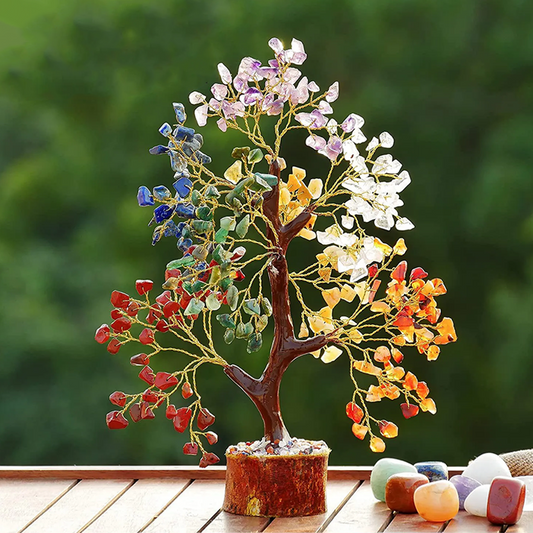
299	173
324	273
379	307
294	183
400	248
307	234
304	331
347	293
234	172
330	354
284	196
332	296
315	188
382	247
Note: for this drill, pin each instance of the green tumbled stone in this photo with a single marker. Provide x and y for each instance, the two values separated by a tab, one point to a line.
267	306
196	198
269	178
255	155
252	307
242	227
182	262
202	226
200	253
186	232
262	323
198	286
220	235
232	297
226	321
194	308
243	330
212	192
225	283
383	470
212	302
219	254
188	287
229	336
239	153
204	213
227	223
254	343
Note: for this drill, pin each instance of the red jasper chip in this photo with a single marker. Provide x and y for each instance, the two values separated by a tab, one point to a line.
418	273
133	309
372	270
184	300
182	419
118	398
147	374
146	411
208	459
116	420
143	286
399	272
141	359
172	273
116	313
146	336
186	390
171	412
239	275
211	437
162	326
164	380
153	315
171	308
354	412
190	448
164	297
205	419
150	396
102	334
135	412
120	299
121	324
113	346
409	410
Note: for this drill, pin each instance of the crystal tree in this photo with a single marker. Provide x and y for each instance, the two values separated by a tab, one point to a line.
205	297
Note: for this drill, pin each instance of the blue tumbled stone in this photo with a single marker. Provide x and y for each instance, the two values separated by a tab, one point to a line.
163	212
165	129
183	187
179	109
185	210
433	470
144	196
159	149
171	229
161	192
182	133
184	244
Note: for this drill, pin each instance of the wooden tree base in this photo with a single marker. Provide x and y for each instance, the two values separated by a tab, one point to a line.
276	485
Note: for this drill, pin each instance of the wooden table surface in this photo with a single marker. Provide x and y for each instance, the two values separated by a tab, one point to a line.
182	499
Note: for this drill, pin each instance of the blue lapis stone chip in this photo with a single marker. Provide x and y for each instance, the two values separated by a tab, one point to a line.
163	212
184	244
183	187
184	210
144	196
161	192
182	133
159	149
179	109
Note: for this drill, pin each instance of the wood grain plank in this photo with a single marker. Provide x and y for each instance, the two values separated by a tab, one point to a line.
362	512
413	522
525	524
22	501
195	506
336	492
78	506
138	506
467	523
232	523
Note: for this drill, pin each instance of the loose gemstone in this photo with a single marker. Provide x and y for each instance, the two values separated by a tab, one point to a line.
146	336
437	502
506	500
113	346
205	419
116	420
382	471
464	486
476	502
400	490
144	197
182	419
190	448
433	470
164	380
102	334
486	467
354	412
147	375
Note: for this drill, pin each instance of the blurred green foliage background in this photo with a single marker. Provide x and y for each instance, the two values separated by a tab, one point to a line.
84	87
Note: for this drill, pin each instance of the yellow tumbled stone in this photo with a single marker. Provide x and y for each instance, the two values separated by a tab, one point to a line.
330	354
315	188
437	501
347	293
234	172
332	296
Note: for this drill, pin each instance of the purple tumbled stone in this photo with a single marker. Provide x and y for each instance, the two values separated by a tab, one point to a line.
464	485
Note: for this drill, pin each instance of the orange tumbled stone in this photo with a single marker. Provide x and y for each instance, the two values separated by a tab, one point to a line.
400	490
437	501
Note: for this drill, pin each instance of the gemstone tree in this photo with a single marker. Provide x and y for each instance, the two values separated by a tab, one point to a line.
214	291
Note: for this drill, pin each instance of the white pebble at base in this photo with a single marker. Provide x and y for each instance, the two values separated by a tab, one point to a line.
476	502
486	467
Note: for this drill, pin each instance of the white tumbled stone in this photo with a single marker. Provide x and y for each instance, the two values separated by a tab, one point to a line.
486	467
476	502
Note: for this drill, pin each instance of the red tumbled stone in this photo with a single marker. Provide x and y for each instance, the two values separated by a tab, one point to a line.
506	500
400	490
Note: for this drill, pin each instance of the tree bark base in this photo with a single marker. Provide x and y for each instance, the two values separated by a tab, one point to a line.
276	485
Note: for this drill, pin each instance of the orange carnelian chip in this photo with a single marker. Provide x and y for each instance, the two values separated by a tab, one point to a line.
433	353
440	288
374	394
354	412
447	331
388	429
403	321
418	273
377	445
410	381
422	390
382	354
396	373
367	368
397	355
399	340
390	391
359	431
417	285
428	405
399	272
